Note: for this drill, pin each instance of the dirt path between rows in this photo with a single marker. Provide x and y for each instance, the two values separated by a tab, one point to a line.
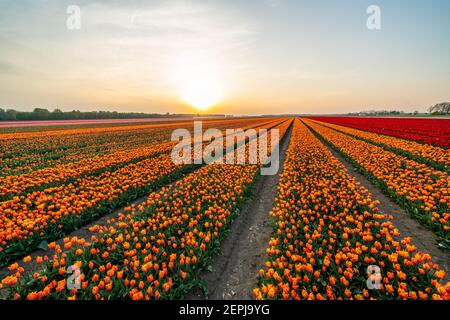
243	252
424	239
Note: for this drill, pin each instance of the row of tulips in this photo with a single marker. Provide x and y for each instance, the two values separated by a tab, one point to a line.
422	190
14	185
330	242
434	156
51	213
25	221
23	155
435	131
153	251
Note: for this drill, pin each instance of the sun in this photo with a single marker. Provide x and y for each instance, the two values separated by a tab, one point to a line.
200	92
199	83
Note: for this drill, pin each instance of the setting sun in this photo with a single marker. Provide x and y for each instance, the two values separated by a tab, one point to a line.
198	83
200	93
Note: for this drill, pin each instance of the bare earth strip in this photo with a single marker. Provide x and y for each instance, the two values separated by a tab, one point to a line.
234	272
424	239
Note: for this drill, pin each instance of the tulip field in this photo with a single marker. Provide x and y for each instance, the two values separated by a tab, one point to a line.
328	231
431	131
106	205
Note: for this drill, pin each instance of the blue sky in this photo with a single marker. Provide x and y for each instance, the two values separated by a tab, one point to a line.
250	56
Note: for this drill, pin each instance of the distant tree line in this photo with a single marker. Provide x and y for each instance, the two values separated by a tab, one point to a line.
378	113
440	108
57	114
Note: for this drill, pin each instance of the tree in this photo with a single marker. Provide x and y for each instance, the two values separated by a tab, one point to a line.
41	114
11	114
440	108
58	114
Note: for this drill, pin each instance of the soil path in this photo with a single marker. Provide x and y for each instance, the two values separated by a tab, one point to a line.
424	239
243	252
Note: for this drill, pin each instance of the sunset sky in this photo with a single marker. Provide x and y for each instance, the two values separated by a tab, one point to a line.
245	57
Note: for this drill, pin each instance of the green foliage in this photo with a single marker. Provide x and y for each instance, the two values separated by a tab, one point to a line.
57	114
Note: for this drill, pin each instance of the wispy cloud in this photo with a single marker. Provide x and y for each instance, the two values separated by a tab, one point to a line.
132	49
275	3
7	67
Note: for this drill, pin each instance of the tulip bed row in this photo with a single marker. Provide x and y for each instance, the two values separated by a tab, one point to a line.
26	152
432	131
153	251
422	190
330	241
434	156
14	185
49	214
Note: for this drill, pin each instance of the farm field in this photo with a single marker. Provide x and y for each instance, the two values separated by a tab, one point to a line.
432	131
45	123
360	209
